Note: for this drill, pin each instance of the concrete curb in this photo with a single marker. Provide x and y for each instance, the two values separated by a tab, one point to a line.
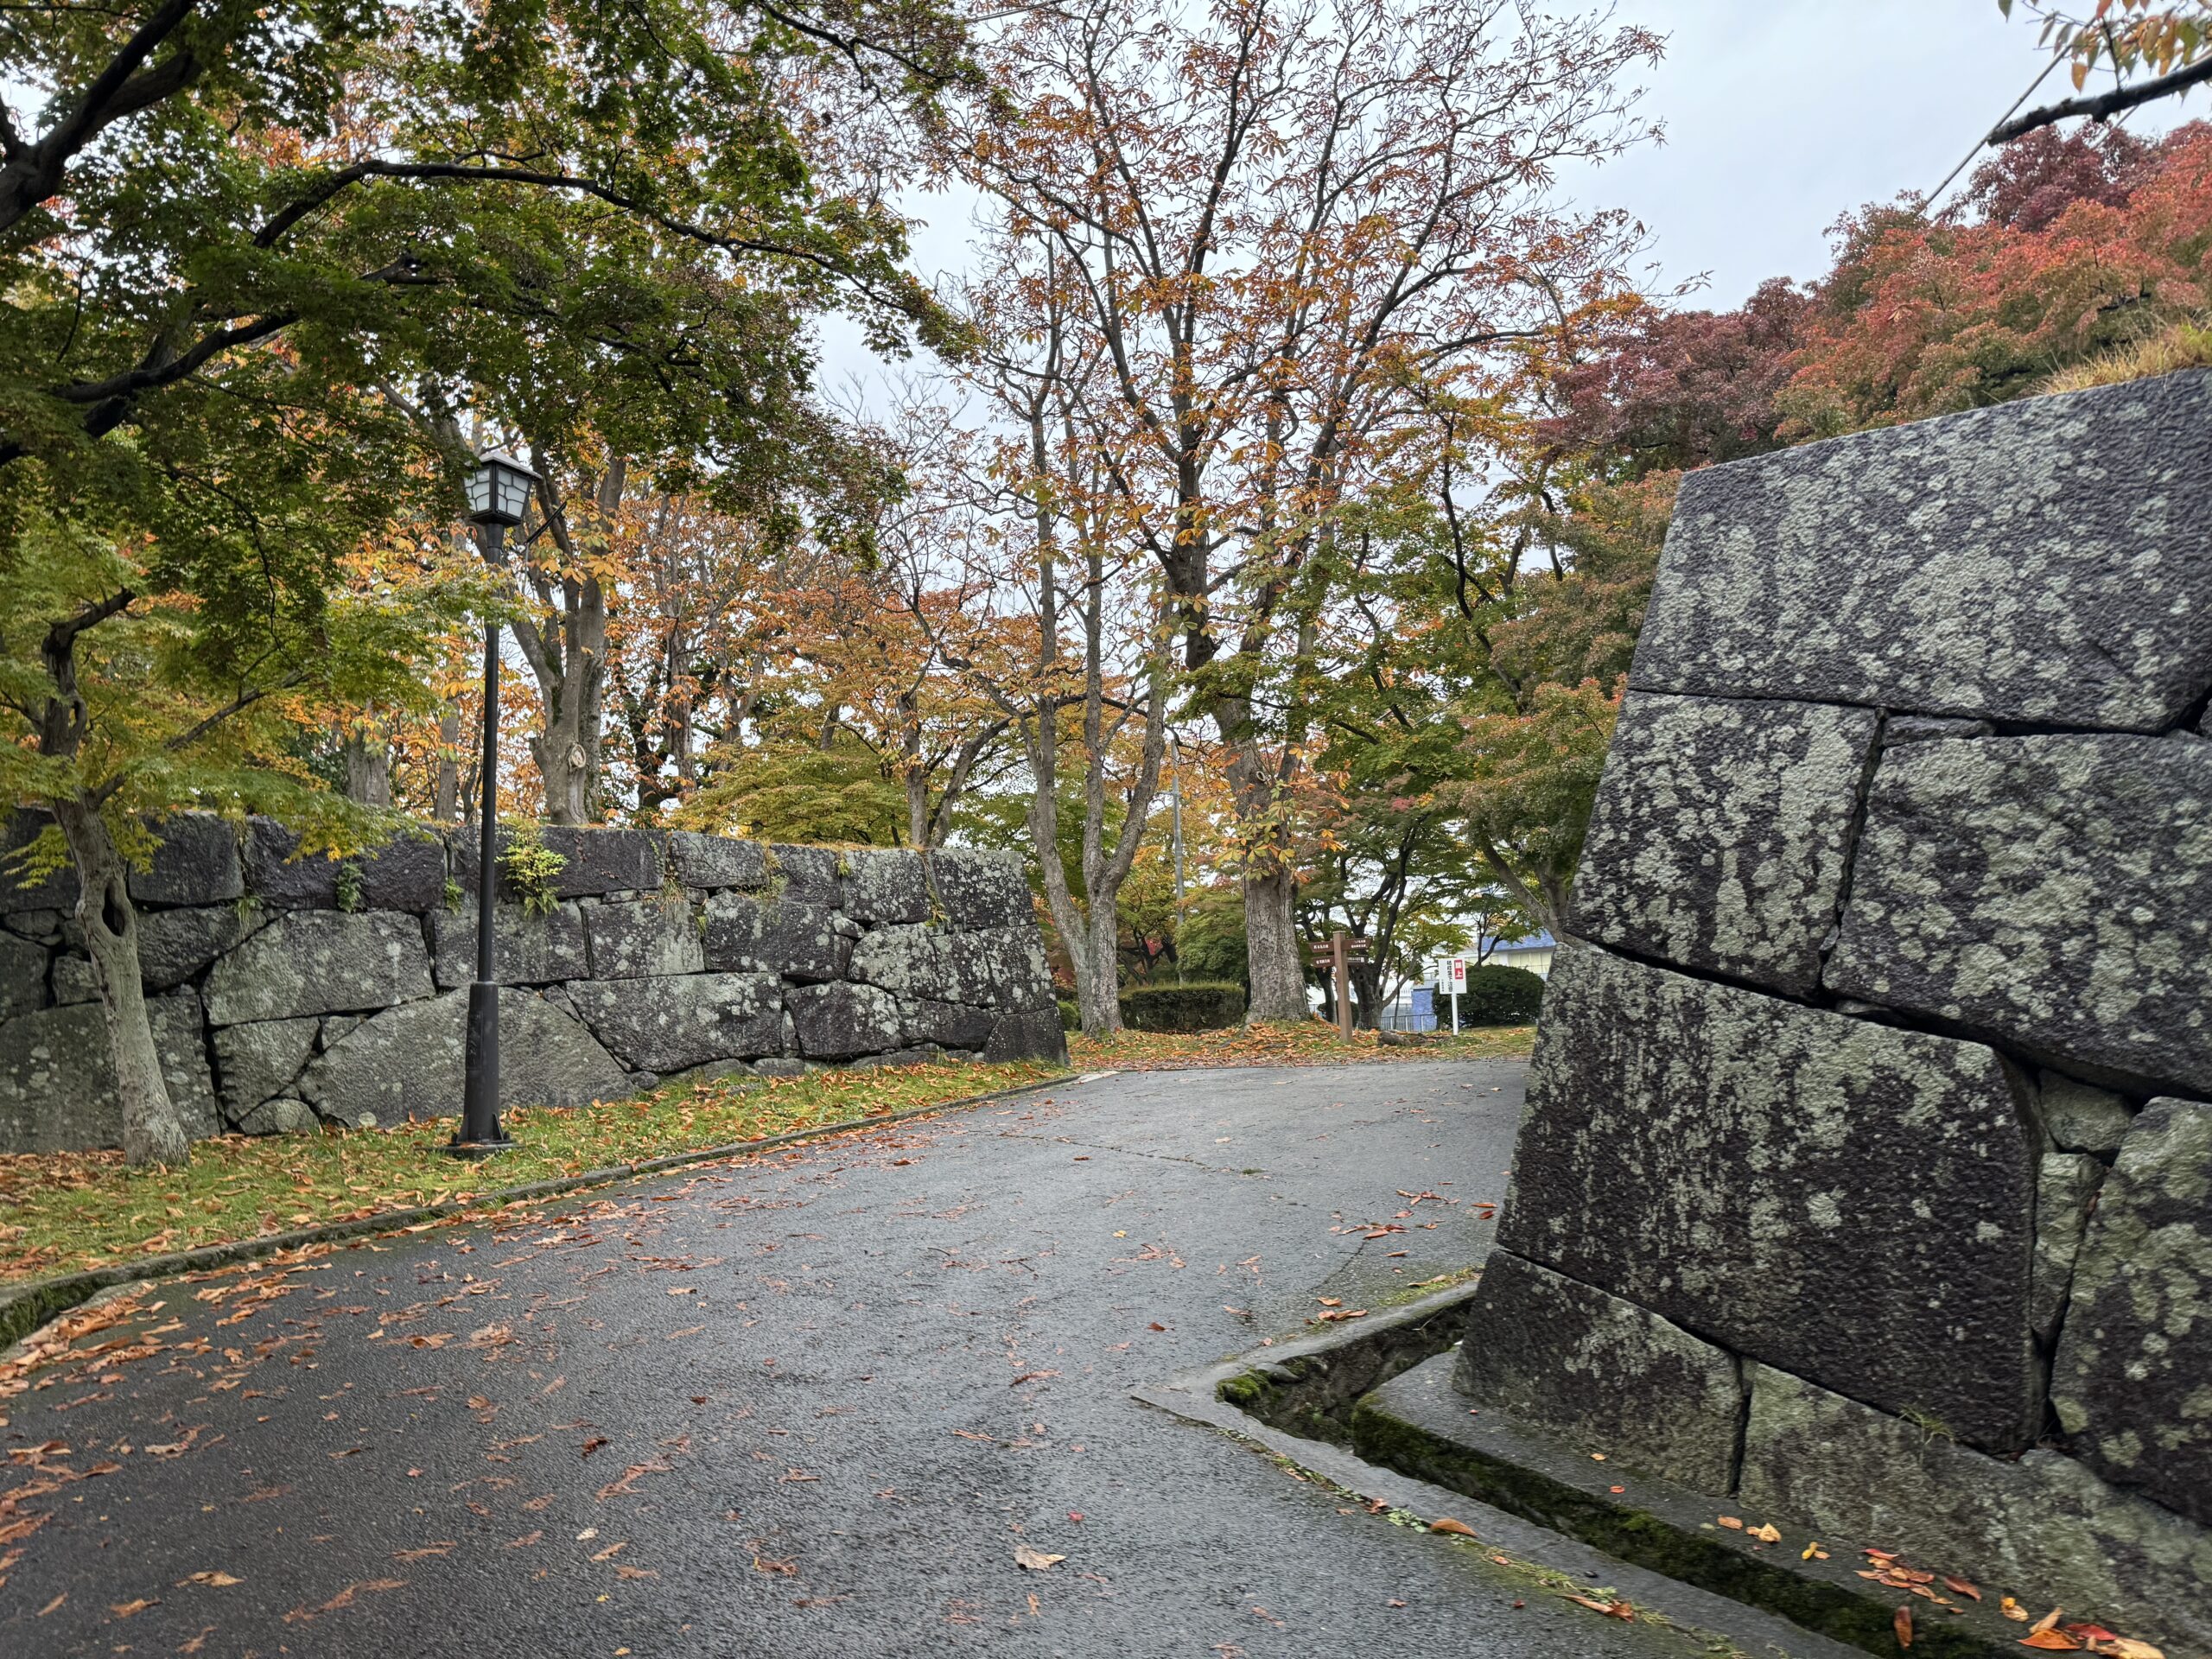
26	1308
1193	1396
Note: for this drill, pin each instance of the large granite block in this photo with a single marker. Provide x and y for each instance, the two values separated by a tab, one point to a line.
406	873
711	862
1722	832
809	875
1027	1034
886	885
1602	1373
593	860
948	1024
1850	1201
2132	1382
982	889
639	939
2056	891
531	948
196	863
321	962
604	861
279	873
774	935
174	944
2043	1529
670	1024
258	1062
991	966
839	1022
2044	560
22	976
57	1075
411	1062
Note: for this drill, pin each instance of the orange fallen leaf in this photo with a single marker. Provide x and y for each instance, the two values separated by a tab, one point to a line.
1959	1586
1767	1533
1733	1523
124	1609
2013	1611
2120	1647
1901	1622
1456	1528
53	1605
2046	1622
2051	1641
1610	1609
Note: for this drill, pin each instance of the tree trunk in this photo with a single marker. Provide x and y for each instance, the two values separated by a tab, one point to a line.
445	806
368	770
152	1132
1271	946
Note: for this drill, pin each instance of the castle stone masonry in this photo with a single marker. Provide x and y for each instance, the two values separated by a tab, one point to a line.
288	991
1867	1179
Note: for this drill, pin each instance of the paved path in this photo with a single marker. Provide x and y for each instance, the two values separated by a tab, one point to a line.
812	1404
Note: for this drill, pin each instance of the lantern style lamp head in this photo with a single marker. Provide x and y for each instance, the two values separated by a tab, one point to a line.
498	489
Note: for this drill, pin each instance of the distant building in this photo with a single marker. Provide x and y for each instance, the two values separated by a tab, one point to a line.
1534	953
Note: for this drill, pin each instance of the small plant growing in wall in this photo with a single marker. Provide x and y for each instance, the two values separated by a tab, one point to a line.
530	867
349	888
454	896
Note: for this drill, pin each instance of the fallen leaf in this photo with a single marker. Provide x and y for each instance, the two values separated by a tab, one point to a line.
215	1576
594	1444
2045	1623
1733	1523
2051	1641
2013	1611
611	1550
1610	1609
124	1609
1959	1586
1767	1533
527	1539
1035	1559
1456	1528
54	1605
1901	1622
2120	1647
1156	1325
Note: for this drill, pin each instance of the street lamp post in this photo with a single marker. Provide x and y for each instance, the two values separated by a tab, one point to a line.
498	490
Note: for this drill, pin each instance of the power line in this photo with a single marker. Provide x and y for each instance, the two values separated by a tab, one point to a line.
1936	195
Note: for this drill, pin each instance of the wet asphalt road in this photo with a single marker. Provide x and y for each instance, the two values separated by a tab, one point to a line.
814	1403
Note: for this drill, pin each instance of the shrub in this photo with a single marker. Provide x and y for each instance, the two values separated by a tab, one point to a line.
1070	1016
1182	1008
1498	996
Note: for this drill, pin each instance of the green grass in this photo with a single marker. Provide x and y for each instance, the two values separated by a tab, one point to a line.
64	1212
1310	1043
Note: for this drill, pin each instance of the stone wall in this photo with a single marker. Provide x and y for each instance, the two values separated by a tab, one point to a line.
287	991
1867	1179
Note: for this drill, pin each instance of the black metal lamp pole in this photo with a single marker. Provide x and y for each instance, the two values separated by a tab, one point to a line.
498	491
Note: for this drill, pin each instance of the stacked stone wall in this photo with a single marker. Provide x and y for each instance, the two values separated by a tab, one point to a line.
287	991
1867	1179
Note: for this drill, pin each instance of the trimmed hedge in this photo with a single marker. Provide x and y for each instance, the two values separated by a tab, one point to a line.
1498	996
1183	1008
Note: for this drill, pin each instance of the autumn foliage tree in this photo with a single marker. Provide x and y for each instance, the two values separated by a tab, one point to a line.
1263	222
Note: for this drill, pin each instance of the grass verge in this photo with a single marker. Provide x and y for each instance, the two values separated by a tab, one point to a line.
68	1212
1310	1043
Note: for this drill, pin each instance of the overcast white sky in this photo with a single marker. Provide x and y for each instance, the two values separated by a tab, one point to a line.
1780	115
